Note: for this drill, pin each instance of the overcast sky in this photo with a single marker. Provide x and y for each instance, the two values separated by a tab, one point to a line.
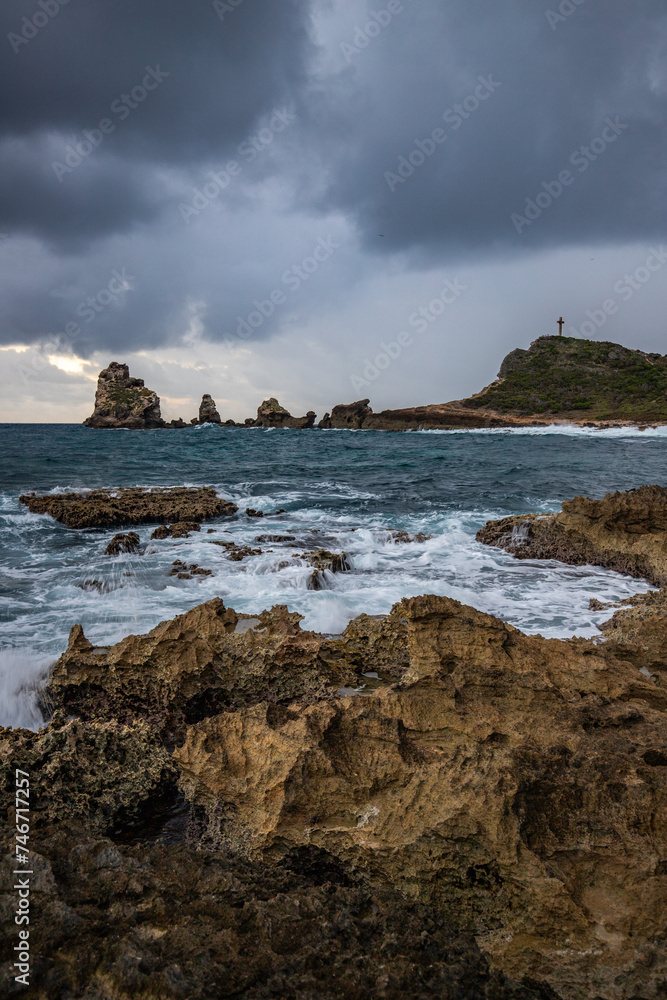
267	197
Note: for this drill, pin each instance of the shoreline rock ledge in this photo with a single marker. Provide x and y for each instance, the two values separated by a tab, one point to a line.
123	401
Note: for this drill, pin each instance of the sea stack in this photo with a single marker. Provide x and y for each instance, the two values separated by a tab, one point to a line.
122	401
272	414
208	413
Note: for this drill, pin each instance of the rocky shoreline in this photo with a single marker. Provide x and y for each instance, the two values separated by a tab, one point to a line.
570	376
431	803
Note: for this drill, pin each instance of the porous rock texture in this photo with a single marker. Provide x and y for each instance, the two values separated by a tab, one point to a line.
113	921
122	401
133	505
515	786
626	532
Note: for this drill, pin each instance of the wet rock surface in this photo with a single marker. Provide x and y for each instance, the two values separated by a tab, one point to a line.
626	532
182	529
115	508
122	401
122	544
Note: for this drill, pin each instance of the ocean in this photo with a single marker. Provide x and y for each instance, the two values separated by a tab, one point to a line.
344	491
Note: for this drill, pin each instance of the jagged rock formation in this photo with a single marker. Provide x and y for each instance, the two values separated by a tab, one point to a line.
626	532
347	415
122	401
132	505
121	544
514	785
271	414
208	413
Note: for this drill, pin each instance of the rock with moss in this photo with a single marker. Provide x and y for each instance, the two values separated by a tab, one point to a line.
131	505
122	401
571	379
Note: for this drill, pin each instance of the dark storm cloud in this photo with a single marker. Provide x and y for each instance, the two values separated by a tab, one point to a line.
218	70
561	77
513	92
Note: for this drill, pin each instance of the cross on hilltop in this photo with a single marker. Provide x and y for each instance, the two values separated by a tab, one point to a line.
561	321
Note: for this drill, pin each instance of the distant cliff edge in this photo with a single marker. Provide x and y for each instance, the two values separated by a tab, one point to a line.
557	379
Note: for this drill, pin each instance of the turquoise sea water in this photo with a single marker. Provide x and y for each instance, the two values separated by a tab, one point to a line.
342	490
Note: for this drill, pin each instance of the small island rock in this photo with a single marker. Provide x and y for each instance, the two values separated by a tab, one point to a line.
122	401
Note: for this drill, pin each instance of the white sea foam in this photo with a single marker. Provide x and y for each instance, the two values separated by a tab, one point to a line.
45	568
571	430
23	672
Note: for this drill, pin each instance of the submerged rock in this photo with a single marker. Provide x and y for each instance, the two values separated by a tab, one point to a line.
114	508
130	543
626	532
122	401
323	561
182	529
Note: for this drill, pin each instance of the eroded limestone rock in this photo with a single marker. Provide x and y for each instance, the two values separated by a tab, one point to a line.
626	532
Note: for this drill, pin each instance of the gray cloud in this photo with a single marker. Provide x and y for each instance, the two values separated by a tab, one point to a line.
514	93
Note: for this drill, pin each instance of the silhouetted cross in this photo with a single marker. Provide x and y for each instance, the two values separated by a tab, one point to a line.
560	326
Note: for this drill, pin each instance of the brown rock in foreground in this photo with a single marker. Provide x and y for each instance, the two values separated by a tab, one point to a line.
510	781
514	785
122	401
626	532
116	508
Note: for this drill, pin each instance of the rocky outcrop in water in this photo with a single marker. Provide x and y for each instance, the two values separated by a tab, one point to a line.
626	532
347	416
271	414
513	786
122	401
208	413
134	505
124	544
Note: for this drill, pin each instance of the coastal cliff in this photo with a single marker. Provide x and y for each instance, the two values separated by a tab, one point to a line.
557	379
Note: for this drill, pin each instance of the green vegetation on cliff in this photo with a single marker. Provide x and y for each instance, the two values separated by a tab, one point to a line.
575	378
